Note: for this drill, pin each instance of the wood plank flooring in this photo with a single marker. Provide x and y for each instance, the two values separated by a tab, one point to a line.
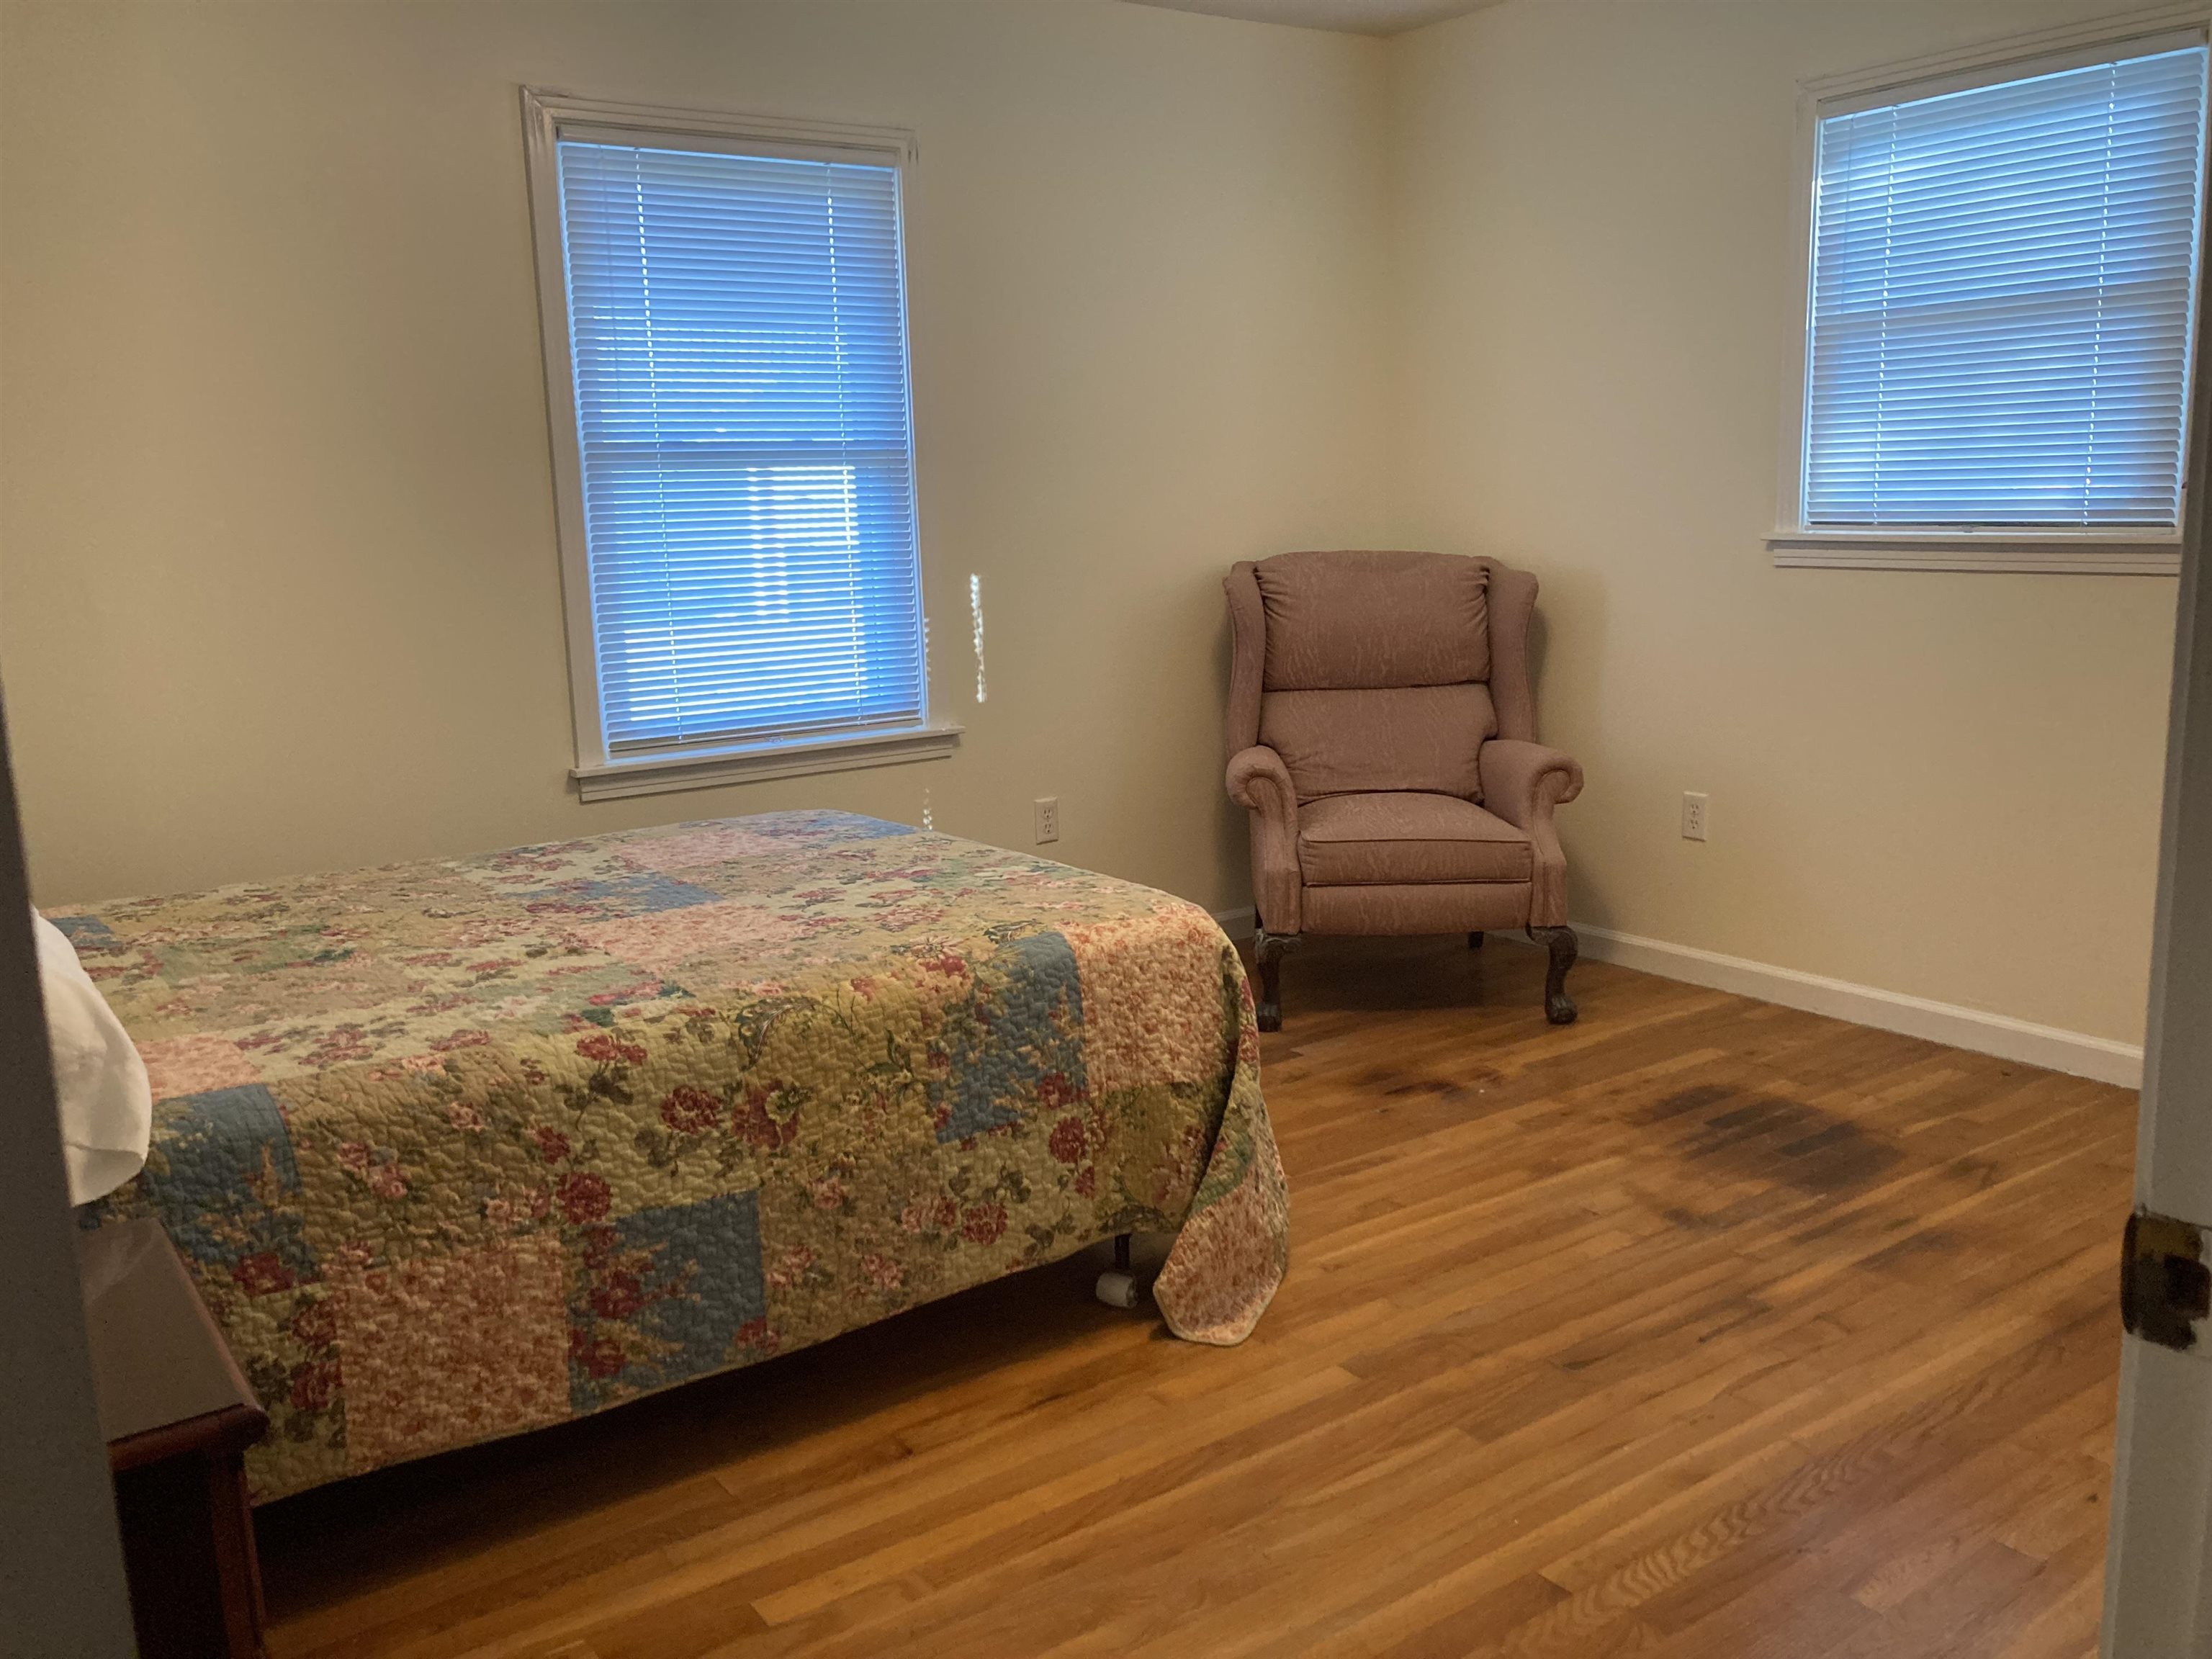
1702	1328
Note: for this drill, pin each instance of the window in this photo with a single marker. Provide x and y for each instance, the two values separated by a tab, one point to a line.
2002	278
726	343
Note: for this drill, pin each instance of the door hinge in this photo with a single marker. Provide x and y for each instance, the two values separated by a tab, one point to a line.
2166	1288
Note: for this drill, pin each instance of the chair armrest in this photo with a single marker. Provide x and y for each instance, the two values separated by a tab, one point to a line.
1259	782
1521	782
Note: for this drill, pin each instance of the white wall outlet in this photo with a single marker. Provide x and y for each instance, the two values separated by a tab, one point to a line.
1048	818
1693	816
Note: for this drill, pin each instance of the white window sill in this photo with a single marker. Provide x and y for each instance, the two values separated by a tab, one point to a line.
1992	550
661	774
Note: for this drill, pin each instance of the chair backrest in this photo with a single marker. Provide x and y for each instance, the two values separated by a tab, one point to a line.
1370	672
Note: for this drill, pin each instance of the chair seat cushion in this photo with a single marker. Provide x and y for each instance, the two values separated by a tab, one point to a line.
1352	840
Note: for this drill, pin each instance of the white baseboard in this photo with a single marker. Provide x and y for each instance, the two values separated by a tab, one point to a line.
2073	1051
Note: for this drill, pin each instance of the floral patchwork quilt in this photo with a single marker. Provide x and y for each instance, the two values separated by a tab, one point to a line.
459	1149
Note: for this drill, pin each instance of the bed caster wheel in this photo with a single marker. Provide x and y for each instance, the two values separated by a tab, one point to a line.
1117	1286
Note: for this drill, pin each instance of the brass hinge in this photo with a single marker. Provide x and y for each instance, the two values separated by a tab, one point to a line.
2166	1288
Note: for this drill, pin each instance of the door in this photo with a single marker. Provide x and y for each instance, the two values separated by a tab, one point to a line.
2158	1582
61	1566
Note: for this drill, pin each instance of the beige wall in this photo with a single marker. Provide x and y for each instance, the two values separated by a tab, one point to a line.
1945	786
278	586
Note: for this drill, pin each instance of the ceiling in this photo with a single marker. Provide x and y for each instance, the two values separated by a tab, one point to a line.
1349	16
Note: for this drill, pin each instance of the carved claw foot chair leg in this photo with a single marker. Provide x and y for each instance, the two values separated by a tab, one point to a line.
1267	952
1558	1006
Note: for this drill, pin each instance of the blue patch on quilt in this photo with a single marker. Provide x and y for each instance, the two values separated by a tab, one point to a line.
627	895
228	1171
1017	1038
663	1294
818	827
83	930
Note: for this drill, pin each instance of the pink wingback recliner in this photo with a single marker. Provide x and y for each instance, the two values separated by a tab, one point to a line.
1383	735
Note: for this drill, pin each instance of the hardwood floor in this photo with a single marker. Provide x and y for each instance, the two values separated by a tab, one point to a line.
1701	1327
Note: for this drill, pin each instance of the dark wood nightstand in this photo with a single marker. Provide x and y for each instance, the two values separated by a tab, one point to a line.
177	1418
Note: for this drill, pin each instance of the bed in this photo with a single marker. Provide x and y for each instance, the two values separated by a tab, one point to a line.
459	1149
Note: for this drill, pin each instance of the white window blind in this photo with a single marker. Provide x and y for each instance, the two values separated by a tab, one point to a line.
2001	292
737	335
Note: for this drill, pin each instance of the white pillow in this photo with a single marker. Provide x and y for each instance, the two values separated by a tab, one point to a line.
107	1104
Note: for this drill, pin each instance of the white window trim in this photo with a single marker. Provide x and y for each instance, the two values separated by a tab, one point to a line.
2000	548
600	774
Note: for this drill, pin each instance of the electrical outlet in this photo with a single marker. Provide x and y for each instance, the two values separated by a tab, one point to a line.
1693	816
1048	818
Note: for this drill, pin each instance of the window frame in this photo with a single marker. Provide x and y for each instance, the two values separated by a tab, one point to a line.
598	772
1794	544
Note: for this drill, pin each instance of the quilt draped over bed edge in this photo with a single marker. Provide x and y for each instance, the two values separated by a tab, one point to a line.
459	1149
